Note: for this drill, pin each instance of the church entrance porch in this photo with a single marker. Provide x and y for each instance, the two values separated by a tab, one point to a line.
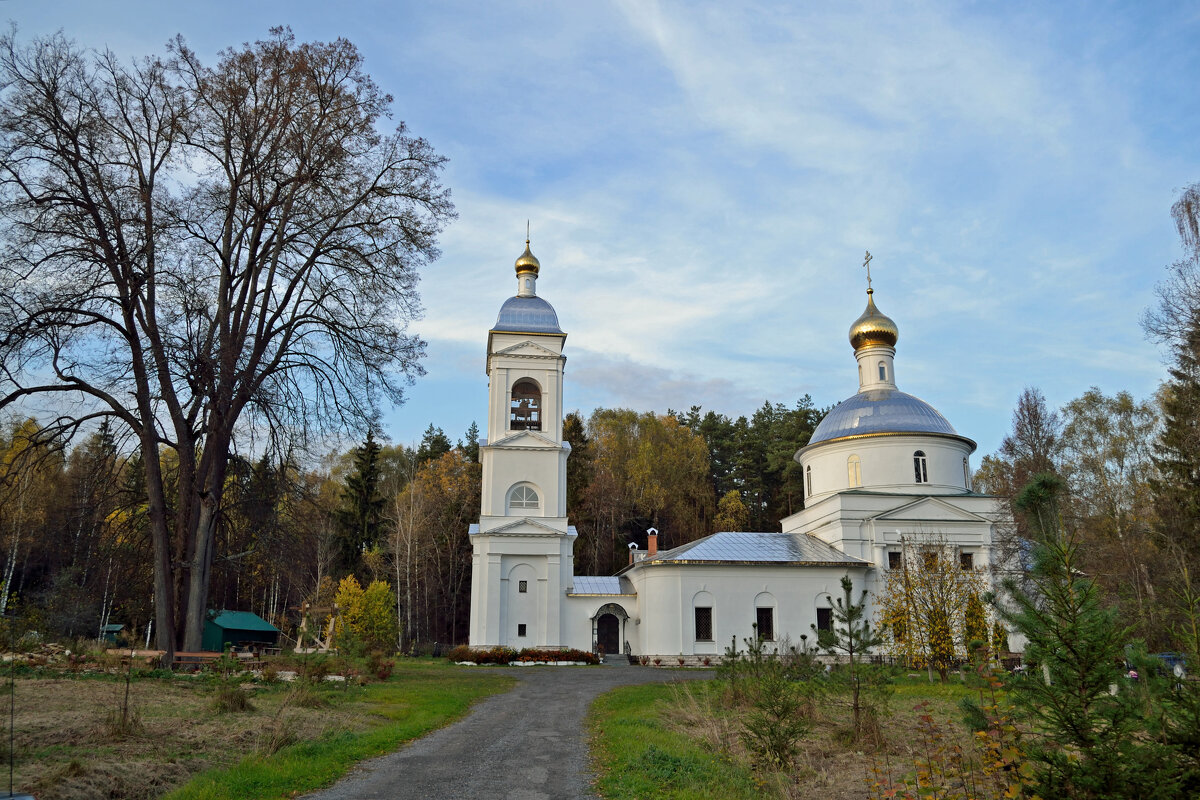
608	625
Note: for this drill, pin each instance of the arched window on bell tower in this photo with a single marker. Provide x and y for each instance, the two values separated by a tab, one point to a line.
523	498
525	411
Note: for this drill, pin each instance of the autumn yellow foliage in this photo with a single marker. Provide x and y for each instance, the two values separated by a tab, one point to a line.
366	619
931	607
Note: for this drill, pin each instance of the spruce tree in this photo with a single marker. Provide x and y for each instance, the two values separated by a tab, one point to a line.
361	512
579	468
1177	490
1175	324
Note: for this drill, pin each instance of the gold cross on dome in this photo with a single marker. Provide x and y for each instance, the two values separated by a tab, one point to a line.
867	264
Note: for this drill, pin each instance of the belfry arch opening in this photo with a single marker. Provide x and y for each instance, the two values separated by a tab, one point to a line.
525	410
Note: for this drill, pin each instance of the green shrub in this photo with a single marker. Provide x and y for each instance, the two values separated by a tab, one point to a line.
316	668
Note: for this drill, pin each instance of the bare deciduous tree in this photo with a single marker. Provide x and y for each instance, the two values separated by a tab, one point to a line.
200	251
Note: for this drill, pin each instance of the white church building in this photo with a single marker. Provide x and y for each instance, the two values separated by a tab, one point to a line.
881	466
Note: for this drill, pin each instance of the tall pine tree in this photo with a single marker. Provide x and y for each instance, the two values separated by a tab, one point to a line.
434	445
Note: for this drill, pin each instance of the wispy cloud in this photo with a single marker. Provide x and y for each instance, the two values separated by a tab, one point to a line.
703	177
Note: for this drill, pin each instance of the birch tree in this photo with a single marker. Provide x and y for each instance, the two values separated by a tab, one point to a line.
923	609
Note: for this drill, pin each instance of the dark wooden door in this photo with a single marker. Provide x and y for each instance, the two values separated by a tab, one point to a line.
608	633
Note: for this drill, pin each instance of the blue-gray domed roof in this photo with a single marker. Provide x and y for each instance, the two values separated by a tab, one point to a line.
881	411
527	315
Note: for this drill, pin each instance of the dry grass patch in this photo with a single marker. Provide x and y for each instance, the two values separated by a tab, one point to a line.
71	742
824	766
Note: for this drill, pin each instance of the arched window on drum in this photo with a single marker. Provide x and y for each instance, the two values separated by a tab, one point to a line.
853	472
920	467
525	411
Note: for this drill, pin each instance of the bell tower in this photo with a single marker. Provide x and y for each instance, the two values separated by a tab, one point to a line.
522	547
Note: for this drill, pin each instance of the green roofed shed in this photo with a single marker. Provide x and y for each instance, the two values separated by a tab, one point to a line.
238	628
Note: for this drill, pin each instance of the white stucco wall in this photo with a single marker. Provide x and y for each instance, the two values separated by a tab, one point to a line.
668	594
537	357
529	460
579	612
500	561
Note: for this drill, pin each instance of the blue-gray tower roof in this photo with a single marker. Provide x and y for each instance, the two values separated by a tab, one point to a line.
527	315
879	411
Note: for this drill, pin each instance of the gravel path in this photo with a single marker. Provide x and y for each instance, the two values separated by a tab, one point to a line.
525	744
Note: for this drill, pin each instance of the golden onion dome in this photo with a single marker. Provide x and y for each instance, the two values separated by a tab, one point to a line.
528	261
873	328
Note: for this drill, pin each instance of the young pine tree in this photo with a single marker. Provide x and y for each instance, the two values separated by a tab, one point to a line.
852	635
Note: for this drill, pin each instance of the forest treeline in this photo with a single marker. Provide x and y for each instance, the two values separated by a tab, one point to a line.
77	549
77	552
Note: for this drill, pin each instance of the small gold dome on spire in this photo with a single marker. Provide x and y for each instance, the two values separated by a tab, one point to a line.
528	261
873	327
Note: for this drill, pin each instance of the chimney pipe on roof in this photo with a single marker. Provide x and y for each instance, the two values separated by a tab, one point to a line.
651	542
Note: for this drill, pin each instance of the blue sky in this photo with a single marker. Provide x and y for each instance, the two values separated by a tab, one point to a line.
703	178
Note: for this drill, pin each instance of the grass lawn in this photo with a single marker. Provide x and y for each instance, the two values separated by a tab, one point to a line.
185	748
639	752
